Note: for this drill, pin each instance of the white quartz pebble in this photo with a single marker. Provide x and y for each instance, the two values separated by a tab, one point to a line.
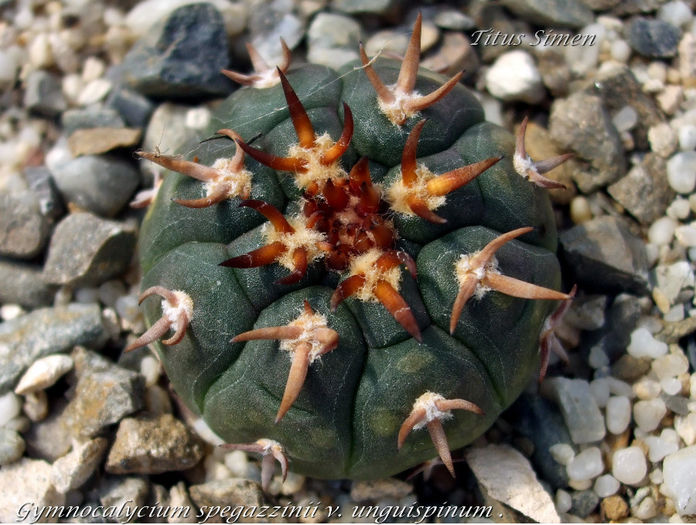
563	501
606	485
629	465
586	465
649	413
686	428
659	447
662	230
562	453
10	407
618	414
679	471
687	137
43	373
601	390
643	344
670	365
681	171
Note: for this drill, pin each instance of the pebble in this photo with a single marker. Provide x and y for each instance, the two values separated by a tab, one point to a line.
679	471
11	446
386	40
146	445
563	501
36	406
274	20
676	13
230	491
648	413
605	254
89	118
454	54
586	465
362	6
134	108
670	98
563	453
507	476
333	39
24	230
181	57
652	38
670	365
179	498
43	373
600	390
100	184
625	119
515	77
646	388
597	358
26	480
580	123
87	250
618	414
580	210
43	332
454	20
680	209
551	12
686	428
125	494
629	465
43	94
643	344
687	137
672	278
662	139
584	503
94	92
75	468
686	235
620	50
614	508
95	141
10	407
663	445
681	171
606	485
579	408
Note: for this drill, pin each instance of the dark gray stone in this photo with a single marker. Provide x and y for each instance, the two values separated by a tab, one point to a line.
24	230
634	7
644	191
584	502
622	319
41	184
134	108
90	117
46	331
565	13
605	255
540	421
618	87
88	250
580	123
23	284
43	94
101	184
587	312
182	56
652	38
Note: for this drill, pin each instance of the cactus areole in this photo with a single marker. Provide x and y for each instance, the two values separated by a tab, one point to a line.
350	276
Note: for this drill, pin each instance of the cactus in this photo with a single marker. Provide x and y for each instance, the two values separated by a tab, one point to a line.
350	257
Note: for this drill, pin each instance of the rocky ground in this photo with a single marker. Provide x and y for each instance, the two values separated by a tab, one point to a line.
612	435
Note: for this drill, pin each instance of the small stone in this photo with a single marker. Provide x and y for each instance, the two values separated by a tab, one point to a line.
125	495
580	123
230	491
629	465
75	468
614	508
179	499
600	390
680	209
90	117
100	140
646	388
507	476
605	254
686	428
36	406
181	56
146	445
563	453
681	171
606	485
24	230
271	21
26	480
586	465
643	344
86	249
679	471
670	365
686	59
669	100
514	76
454	20
584	503
157	401
133	108
563	501
43	373
649	413
580	210
94	92
375	490
43	332
100	184
43	94
579	409
652	38
11	446
686	235
455	54
663	141
625	119
333	33
555	71
618	414
659	447
676	13
620	50
687	137
386	40
551	12
661	231
582	59
672	278
597	358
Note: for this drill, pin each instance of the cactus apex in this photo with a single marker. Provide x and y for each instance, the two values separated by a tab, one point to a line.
264	76
270	450
548	340
307	338
430	410
177	313
534	171
478	273
400	101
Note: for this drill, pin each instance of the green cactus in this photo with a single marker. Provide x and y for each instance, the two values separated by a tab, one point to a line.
317	283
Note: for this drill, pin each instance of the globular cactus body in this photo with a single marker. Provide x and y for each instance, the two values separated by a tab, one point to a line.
341	253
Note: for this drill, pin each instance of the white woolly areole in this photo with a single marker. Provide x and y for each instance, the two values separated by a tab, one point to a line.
302	237
266	78
523	165
463	268
394	110
309	322
315	171
172	312
427	403
236	183
365	264
397	193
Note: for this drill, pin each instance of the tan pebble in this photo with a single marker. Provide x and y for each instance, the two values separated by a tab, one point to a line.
36	406
44	373
580	210
94	141
614	508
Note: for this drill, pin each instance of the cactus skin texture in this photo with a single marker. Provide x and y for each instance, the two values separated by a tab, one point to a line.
345	421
